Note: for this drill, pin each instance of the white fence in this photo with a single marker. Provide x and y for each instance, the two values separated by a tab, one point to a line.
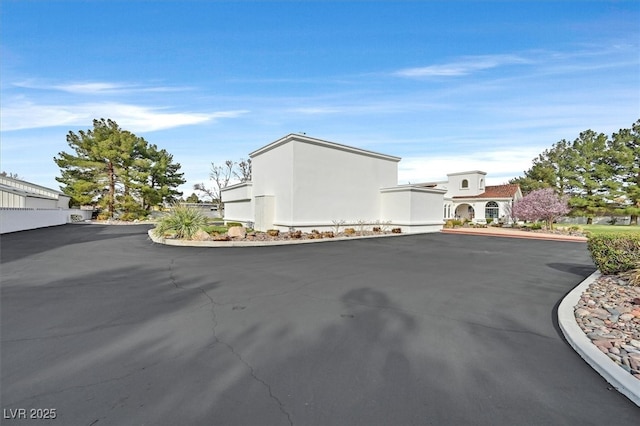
17	219
599	220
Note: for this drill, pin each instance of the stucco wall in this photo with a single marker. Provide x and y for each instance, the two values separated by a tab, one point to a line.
41	203
238	202
475	179
330	184
413	209
272	175
13	220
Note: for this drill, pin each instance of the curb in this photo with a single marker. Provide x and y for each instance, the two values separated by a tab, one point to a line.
190	243
523	235
622	381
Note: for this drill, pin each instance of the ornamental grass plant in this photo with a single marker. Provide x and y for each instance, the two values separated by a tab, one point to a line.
182	221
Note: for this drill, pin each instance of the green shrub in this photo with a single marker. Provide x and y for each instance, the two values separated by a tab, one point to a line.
536	226
183	221
232	224
215	229
615	253
489	220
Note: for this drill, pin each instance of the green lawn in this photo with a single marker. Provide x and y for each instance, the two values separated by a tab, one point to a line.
604	229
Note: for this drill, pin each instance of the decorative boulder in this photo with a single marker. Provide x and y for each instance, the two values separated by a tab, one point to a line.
237	231
201	236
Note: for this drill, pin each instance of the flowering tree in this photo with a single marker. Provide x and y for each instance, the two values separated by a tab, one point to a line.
542	204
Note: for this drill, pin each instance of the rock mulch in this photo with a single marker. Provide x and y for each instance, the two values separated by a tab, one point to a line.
240	234
609	314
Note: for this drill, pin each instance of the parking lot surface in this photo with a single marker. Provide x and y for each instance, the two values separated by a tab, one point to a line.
107	328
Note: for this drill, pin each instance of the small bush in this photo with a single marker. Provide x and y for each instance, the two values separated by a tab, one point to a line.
396	231
183	221
615	253
295	234
215	229
273	232
328	234
349	231
232	224
376	229
535	226
489	220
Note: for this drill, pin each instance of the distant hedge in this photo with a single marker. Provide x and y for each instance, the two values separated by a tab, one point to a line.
615	253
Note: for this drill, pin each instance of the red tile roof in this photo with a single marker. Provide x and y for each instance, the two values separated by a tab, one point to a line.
496	191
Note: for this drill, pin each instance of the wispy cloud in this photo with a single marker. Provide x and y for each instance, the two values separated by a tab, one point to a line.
95	87
26	115
465	66
500	164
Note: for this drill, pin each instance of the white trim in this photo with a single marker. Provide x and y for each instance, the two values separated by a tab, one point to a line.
466	173
313	141
412	188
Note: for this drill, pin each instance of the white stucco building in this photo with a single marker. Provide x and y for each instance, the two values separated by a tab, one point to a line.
299	182
468	197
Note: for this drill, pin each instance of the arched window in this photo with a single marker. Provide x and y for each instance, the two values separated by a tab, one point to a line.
465	183
491	210
481	183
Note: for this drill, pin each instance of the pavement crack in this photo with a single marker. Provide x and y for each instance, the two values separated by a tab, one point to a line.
216	339
255	377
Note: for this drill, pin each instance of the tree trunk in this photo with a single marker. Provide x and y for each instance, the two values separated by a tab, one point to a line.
112	189
634	219
589	221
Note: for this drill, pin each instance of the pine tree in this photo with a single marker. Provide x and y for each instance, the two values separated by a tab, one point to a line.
117	170
626	163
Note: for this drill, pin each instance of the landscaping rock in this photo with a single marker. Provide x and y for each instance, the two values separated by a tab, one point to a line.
201	236
237	232
607	316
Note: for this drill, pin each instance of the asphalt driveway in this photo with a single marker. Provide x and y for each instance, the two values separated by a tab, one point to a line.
108	328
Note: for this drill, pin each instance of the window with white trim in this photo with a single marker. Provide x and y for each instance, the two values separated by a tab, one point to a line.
491	210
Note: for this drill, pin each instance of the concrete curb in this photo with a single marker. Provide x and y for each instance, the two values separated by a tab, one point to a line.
516	234
189	243
622	381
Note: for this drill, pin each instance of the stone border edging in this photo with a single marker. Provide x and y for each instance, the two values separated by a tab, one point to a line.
190	243
622	381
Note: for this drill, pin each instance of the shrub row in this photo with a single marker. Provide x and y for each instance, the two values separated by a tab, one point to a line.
615	253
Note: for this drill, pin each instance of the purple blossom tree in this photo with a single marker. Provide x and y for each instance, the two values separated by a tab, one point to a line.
542	204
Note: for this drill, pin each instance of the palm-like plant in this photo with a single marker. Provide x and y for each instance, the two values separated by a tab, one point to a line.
184	221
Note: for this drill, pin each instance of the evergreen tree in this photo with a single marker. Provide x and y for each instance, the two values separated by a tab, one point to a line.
626	163
161	178
592	179
551	169
117	170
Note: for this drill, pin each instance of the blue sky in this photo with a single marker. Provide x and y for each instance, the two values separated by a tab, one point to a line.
447	85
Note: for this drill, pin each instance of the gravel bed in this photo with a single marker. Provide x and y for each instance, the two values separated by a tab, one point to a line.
609	314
